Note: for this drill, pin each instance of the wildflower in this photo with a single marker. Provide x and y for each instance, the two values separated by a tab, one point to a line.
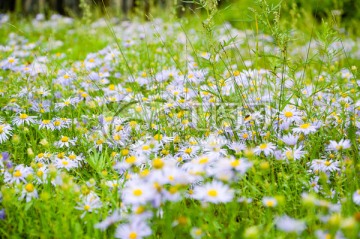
197	233
66	103
113	218
241	165
2	214
89	203
60	123
137	192
214	192
43	158
305	128
10	63
315	185
269	202
288	224
29	192
266	148
136	229
316	165
5	132
237	147
290	139
290	114
23	119
46	124
295	153
19	174
188	151
356	197
65	163
335	146
213	144
65	142
76	158
41	173
321	234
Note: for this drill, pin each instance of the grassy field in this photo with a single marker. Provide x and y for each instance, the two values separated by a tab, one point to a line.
234	123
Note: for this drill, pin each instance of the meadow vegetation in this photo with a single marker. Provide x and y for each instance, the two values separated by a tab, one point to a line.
238	122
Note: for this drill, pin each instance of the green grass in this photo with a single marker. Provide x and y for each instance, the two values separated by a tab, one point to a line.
298	68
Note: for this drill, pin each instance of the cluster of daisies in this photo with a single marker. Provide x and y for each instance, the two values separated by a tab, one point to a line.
173	133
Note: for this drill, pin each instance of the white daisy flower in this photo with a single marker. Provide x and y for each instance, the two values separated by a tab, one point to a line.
113	218
356	197
137	229
65	163
89	203
290	114
137	192
197	233
295	153
5	132
214	192
290	139
18	175
29	192
335	146
65	142
46	124
305	128
288	224
23	119
269	202
266	148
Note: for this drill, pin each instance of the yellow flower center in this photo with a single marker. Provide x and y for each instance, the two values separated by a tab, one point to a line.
46	121
304	126
173	190
289	154
140	210
270	203
1	129
117	137
124	152
137	192
235	163
57	123
158	163
86	207
212	193
17	173
64	162
29	187
133	235
263	146
146	147
131	159
288	114
158	137
64	139
23	116
203	160
327	163
72	156
39	173
188	150
61	155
